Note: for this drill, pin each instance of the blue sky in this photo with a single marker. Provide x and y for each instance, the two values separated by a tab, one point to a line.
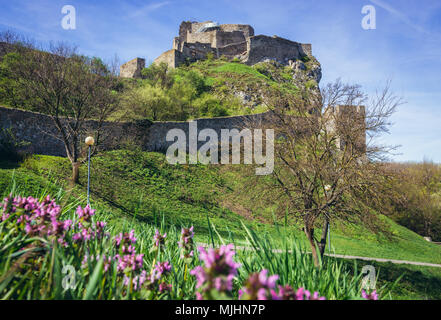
405	46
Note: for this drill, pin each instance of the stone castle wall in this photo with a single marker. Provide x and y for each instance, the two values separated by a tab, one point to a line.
132	69
43	138
171	58
39	131
231	41
260	48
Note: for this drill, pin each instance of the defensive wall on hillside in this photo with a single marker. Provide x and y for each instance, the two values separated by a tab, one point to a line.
39	131
43	138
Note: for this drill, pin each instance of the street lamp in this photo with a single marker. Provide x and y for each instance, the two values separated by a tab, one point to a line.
327	189
89	141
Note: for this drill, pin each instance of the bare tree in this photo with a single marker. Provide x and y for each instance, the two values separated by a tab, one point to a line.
326	158
70	88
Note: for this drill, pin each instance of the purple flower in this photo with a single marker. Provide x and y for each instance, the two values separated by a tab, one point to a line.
161	268
287	293
85	214
218	272
125	242
159	240
163	287
259	286
36	218
186	243
371	296
129	262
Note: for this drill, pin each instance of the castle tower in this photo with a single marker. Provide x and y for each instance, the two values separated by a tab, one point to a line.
233	41
132	69
349	125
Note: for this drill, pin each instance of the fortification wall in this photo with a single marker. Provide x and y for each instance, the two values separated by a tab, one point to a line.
196	51
172	58
222	35
245	29
158	131
195	26
225	38
39	130
184	28
230	40
43	137
203	37
233	50
282	50
132	69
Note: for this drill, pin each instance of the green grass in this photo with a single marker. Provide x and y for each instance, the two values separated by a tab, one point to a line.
416	282
134	187
142	185
239	68
223	78
31	265
42	278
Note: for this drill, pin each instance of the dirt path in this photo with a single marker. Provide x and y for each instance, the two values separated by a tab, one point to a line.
424	264
340	256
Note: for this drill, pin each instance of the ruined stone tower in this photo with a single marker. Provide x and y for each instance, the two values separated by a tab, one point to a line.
233	41
132	69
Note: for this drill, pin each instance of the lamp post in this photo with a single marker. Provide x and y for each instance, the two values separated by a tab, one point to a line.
89	141
327	188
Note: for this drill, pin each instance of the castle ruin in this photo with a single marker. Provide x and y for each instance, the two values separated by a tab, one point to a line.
234	41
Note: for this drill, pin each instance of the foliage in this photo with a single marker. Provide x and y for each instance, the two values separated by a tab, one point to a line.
49	252
10	145
323	167
69	87
413	197
132	183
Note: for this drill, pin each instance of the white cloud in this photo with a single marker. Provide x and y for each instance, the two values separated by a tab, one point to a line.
145	10
405	19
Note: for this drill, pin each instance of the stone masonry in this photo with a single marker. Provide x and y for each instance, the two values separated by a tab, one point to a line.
233	41
41	134
132	69
43	138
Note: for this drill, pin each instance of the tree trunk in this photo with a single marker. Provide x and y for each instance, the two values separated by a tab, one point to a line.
75	172
322	244
310	235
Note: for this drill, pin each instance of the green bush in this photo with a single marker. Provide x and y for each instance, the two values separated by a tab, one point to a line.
10	145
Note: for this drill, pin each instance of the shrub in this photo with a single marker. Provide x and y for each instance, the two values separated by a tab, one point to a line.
10	145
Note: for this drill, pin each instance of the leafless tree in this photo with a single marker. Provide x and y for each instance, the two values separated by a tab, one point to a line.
70	88
326	156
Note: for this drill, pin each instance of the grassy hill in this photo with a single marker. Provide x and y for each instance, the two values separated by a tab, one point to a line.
140	187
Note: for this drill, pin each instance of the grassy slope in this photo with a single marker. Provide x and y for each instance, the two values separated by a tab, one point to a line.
141	185
223	76
416	283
